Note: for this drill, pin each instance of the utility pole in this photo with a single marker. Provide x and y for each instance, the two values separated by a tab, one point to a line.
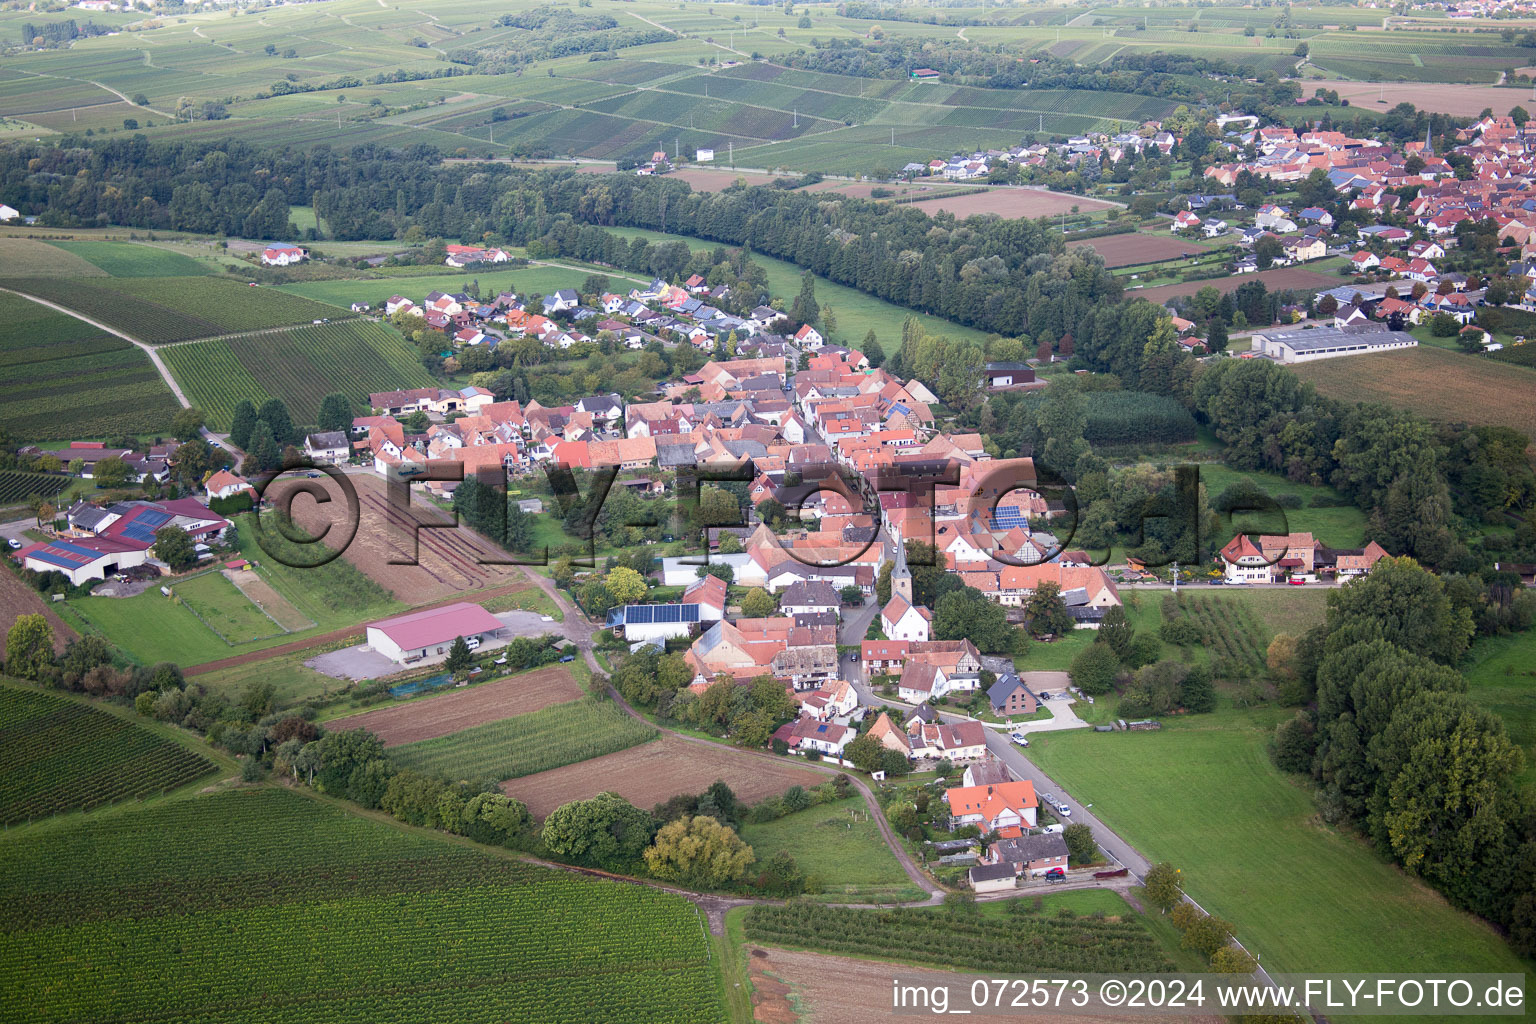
730	148
893	136
676	147
797	117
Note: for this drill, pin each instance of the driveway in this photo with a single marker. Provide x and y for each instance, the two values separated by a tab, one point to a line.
17	528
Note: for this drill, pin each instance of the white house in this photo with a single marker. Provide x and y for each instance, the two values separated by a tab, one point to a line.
281	254
8	212
330	448
994	806
809	336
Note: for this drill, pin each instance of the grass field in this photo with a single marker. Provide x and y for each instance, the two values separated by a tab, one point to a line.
291	680
1307	897
1340	525
300	365
1434	383
513	747
59	753
224	609
1499	678
132	259
34	258
265	905
149	627
841	846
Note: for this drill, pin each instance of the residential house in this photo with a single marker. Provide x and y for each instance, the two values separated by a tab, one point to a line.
329	448
281	254
1009	696
1030	855
962	741
809	597
994	806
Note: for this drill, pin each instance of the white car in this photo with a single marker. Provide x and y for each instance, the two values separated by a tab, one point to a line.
1020	739
14	543
1052	830
1064	810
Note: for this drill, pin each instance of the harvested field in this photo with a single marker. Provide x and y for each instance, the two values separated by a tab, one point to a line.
1137	247
652	772
1448	98
260	593
706	180
16	599
1435	383
447	561
835	988
438	716
1274	280
1011	202
39	259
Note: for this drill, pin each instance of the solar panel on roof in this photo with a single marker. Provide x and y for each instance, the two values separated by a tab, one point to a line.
151	517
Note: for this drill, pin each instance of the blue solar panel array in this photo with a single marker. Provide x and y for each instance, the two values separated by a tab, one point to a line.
144	525
53	556
643	614
1006	517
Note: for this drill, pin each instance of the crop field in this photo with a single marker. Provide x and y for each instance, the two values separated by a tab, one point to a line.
261	593
33	258
1011	202
433	717
111	388
1016	945
1274	280
1337	905
1444	98
1232	638
333	595
16	599
264	905
1136	247
61	754
131	259
300	365
559	735
840	844
647	774
1434	383
225	610
442	562
157	310
16	485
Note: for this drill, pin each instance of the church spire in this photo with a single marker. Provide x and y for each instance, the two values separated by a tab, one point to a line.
901	576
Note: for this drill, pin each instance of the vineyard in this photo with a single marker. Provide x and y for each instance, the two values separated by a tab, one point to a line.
157	310
58	754
263	905
300	365
556	736
16	486
1230	634
110	391
1019	944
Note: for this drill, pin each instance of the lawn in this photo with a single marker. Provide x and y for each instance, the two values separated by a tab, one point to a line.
1205	797
1341	525
334	595
150	627
1499	674
534	599
840	845
225	610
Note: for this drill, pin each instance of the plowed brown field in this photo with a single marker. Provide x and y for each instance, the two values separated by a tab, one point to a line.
448	561
490	702
653	772
17	599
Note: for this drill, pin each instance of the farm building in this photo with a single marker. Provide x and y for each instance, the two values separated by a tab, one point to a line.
1305	346
430	633
1009	375
83	559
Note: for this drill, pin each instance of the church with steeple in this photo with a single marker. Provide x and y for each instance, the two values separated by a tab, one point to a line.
901	618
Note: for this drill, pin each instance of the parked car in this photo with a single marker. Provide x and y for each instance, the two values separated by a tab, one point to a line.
1045	696
1056	875
472	642
1051	830
568	657
1020	739
1064	810
1297	582
1049	798
14	543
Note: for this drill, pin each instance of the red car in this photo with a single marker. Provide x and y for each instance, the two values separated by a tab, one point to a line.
1295	582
